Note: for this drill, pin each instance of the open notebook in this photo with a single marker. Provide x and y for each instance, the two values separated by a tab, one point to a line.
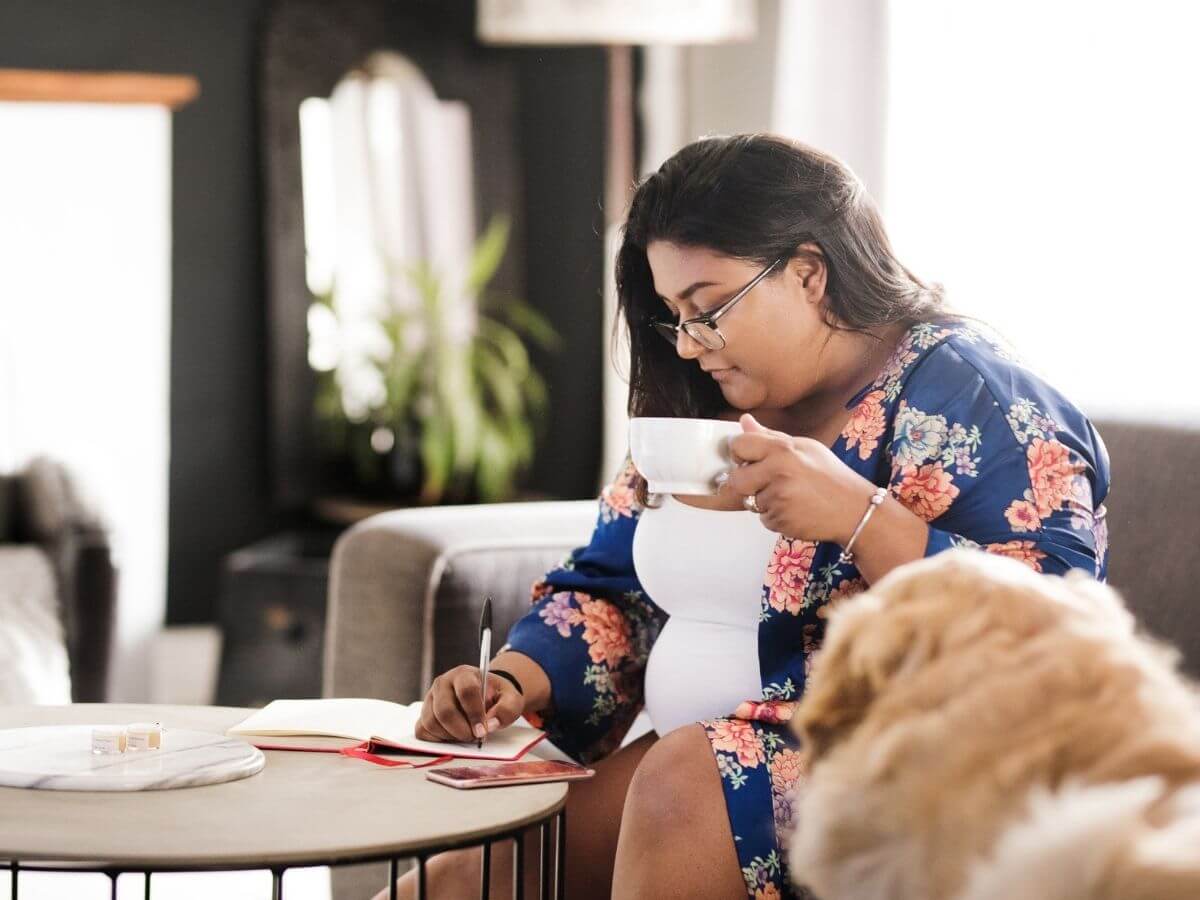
379	723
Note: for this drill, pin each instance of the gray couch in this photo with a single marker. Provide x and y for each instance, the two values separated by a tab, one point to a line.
55	550
405	593
406	586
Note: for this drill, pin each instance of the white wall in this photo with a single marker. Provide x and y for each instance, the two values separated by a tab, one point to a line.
831	79
85	287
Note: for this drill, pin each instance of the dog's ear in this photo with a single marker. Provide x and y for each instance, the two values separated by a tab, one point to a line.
863	651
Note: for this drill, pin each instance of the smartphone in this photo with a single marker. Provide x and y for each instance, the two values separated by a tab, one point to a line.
531	772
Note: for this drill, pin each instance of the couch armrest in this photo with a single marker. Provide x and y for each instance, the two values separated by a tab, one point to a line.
406	587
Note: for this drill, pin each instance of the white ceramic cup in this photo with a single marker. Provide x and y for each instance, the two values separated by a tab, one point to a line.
681	456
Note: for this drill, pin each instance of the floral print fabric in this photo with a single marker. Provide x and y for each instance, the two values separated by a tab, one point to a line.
959	432
759	764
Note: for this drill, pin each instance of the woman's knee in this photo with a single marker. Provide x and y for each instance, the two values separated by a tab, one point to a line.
668	785
447	875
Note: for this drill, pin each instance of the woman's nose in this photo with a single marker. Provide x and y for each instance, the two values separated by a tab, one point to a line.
687	346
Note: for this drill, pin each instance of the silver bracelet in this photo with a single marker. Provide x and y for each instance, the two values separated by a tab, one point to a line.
847	555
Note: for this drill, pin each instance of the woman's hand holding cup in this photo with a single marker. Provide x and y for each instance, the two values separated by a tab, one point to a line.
456	710
800	488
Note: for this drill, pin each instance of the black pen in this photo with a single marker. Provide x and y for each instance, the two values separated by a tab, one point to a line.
485	653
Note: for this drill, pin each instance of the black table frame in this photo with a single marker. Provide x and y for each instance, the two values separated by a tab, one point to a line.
559	817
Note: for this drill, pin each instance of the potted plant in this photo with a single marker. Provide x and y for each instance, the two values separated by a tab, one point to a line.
435	399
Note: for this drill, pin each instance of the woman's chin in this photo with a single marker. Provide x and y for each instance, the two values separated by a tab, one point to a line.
740	395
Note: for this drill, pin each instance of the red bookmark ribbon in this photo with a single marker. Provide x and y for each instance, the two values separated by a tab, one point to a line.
363	752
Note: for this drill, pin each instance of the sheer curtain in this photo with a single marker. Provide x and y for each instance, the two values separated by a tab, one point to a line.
85	239
1043	161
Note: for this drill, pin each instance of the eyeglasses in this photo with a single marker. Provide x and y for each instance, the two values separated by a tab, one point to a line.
703	328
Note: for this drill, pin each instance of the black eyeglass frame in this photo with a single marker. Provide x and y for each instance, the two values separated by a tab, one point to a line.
703	328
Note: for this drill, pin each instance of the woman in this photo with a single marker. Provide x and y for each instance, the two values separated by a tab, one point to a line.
877	429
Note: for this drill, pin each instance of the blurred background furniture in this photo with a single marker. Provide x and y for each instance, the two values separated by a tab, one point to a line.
406	588
1153	507
272	617
55	558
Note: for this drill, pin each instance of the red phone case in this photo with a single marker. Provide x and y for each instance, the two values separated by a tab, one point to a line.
529	772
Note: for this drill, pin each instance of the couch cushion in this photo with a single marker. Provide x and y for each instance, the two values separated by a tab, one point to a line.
33	656
49	502
1153	523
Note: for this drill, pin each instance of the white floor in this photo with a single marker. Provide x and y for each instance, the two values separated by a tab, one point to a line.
298	884
183	670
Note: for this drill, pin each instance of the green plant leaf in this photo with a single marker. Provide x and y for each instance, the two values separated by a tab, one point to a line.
494	474
488	253
504	389
536	396
476	408
504	339
437	454
528	321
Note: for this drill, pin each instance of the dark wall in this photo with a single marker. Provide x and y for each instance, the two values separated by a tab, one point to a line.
562	148
218	476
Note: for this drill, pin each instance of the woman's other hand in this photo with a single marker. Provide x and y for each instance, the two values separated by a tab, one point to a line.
801	489
455	709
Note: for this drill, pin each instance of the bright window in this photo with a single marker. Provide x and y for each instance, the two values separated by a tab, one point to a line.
85	304
1043	161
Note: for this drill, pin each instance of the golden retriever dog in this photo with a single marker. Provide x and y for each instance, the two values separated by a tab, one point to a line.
975	731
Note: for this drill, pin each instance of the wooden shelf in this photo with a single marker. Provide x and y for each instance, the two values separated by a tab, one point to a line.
36	85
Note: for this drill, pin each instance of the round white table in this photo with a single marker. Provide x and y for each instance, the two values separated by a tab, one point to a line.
302	809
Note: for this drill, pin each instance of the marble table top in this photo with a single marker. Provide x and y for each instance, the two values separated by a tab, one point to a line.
60	758
301	809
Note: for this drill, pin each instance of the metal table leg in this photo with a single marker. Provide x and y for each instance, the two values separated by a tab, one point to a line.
560	857
518	869
544	863
518	888
485	878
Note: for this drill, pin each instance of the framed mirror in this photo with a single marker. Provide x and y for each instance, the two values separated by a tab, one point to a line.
308	48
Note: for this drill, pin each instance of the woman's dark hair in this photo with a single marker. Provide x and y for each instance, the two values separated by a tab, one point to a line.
755	197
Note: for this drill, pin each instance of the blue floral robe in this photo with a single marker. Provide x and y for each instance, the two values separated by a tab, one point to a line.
969	440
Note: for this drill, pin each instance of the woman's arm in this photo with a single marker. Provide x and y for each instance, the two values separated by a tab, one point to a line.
967	469
535	683
804	492
893	536
587	637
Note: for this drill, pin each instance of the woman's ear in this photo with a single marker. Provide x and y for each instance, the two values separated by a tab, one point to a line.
808	267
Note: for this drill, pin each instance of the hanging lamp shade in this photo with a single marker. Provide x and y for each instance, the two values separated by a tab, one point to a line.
614	22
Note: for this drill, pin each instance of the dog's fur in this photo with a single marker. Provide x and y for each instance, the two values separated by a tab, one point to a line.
975	731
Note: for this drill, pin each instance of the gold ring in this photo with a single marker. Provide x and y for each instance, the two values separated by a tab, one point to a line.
751	503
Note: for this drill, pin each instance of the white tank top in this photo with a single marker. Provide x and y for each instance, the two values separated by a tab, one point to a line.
705	568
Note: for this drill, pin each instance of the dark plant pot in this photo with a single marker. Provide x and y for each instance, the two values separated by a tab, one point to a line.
402	466
359	471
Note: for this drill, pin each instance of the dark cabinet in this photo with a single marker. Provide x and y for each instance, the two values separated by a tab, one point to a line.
272	617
